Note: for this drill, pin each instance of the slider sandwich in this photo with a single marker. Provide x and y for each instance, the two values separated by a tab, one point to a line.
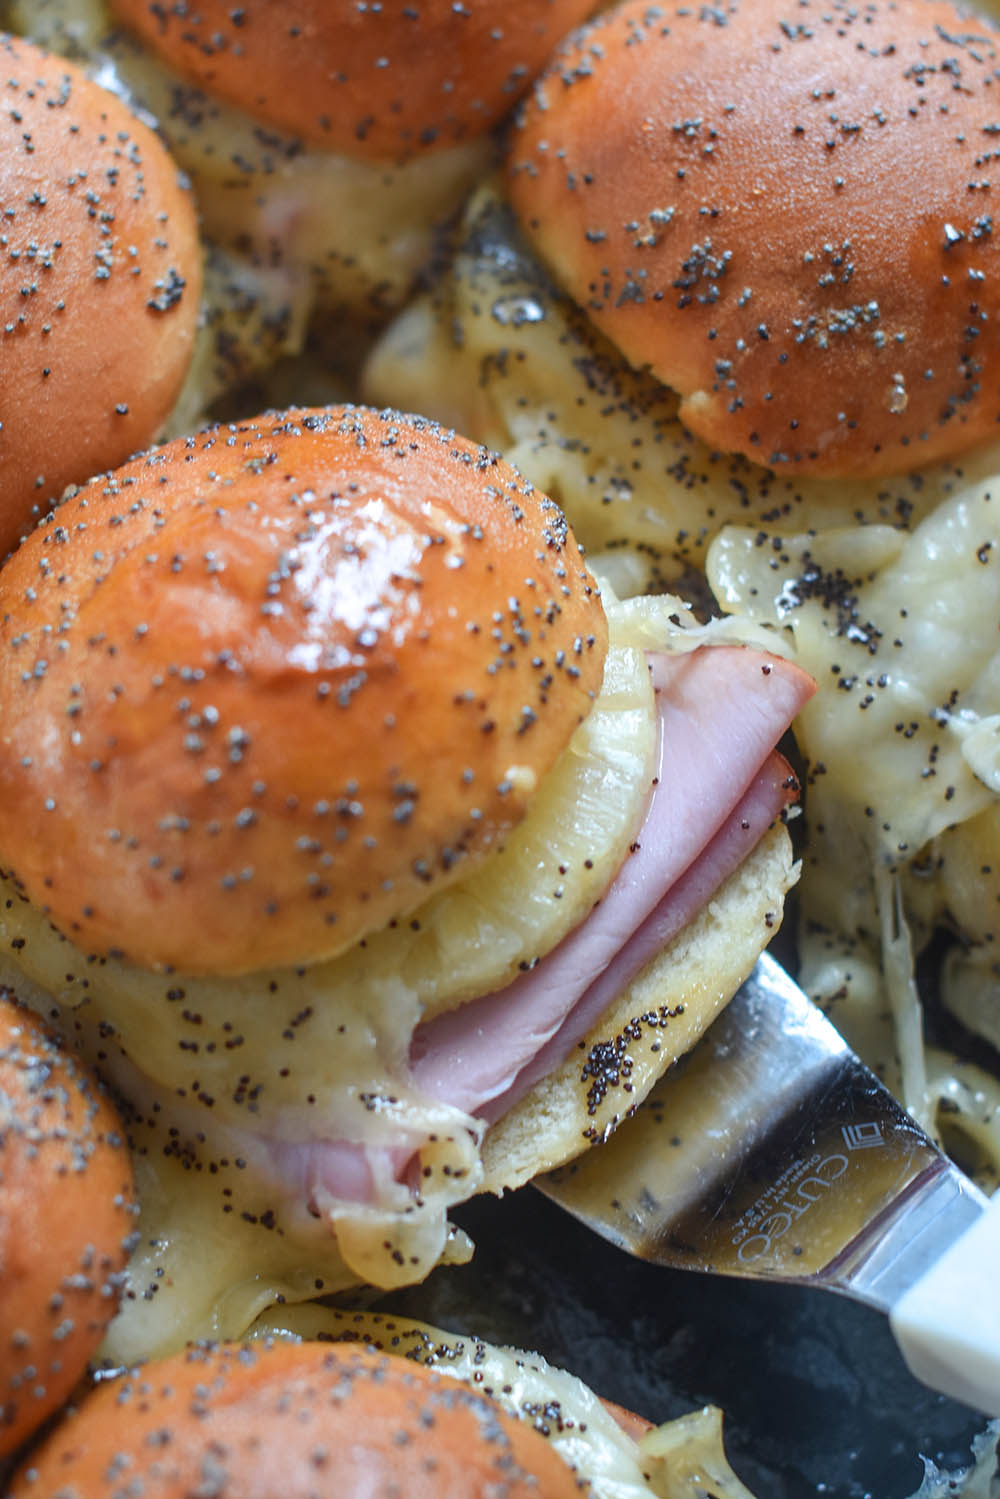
101	282
740	267
408	1409
387	83
784	213
325	140
372	854
300	1421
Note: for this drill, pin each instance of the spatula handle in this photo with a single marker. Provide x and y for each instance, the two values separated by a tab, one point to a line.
947	1324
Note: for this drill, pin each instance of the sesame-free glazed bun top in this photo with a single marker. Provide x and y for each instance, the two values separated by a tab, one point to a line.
265	688
66	1221
100	276
382	81
784	208
297	1419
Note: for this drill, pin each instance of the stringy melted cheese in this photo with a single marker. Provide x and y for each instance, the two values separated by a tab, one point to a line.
902	742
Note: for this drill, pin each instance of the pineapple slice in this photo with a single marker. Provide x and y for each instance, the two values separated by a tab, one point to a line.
479	934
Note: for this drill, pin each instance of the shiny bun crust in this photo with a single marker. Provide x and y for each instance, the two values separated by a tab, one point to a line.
295	1419
786	210
101	282
66	1219
265	688
382	81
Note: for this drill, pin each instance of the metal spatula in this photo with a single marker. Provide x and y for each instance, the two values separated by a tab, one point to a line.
772	1152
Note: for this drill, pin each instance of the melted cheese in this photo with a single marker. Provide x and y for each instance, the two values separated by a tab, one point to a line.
979	1480
495	350
902	741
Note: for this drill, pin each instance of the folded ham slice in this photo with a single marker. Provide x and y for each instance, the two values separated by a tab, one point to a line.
768	794
719	786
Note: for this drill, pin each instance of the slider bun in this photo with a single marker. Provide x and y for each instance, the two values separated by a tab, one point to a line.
265	688
786	214
382	81
101	282
65	1222
295	1419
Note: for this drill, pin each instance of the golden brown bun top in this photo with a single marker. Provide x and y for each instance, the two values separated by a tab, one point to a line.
101	282
785	208
297	1420
265	688
383	81
66	1220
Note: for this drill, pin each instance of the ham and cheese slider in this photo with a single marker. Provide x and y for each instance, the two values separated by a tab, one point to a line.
373	855
67	1221
326	142
297	1420
101	278
786	215
394	1409
386	82
368	1406
741	268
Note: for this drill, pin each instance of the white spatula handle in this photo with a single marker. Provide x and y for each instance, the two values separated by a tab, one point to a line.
947	1324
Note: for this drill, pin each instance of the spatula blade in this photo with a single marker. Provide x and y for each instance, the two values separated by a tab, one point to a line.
771	1151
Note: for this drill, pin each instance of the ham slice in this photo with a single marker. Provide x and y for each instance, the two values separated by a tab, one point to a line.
769	793
719	785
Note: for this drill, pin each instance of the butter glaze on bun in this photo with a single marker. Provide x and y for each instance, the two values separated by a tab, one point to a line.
784	209
66	1220
266	688
382	81
300	1420
101	282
